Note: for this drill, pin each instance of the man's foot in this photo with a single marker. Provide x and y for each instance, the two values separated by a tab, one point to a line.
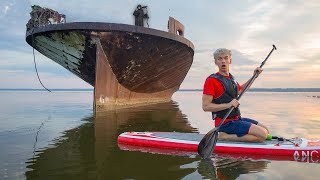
223	136
233	137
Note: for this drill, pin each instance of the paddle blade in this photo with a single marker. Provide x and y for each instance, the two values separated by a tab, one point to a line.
207	143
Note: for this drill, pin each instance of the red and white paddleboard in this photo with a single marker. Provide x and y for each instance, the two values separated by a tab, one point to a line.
188	142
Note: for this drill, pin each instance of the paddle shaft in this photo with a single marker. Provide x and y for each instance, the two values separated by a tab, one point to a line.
255	75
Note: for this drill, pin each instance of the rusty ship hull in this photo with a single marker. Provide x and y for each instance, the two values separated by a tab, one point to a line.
127	65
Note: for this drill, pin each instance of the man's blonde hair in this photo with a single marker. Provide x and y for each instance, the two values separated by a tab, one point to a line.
220	51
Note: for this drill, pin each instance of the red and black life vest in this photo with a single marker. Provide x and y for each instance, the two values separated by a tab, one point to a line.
230	92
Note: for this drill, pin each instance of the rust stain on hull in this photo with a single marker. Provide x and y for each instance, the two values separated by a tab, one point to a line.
110	94
145	63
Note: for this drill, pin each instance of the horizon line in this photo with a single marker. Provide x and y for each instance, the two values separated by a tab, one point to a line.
307	89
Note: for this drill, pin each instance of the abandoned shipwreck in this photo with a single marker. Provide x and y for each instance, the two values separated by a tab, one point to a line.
128	65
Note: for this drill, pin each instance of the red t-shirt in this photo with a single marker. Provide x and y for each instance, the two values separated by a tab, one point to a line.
214	87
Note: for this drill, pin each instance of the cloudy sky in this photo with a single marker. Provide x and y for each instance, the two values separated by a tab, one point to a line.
248	28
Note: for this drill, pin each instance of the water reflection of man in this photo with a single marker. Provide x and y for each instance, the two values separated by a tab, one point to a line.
140	15
225	168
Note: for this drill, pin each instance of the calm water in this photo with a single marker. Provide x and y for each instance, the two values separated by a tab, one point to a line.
55	136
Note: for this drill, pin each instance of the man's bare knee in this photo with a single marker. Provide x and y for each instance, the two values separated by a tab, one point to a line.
262	125
258	131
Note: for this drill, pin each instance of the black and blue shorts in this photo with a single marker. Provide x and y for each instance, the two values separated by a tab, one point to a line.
239	127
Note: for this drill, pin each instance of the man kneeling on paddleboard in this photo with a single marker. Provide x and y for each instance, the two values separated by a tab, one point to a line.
219	95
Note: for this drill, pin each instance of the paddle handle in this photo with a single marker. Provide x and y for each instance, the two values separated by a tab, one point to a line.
255	75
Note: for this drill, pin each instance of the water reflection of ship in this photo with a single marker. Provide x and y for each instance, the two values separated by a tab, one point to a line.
127	65
91	151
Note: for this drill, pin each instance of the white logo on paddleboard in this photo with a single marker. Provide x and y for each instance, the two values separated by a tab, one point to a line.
306	156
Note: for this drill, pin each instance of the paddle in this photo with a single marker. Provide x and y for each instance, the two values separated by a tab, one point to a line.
209	141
